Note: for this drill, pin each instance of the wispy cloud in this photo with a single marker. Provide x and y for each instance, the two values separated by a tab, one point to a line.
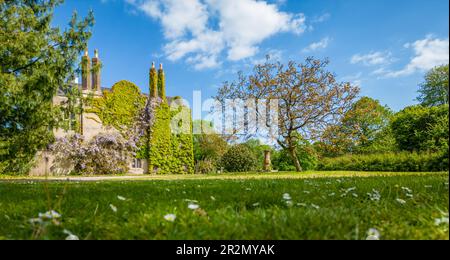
202	31
322	18
355	79
428	53
372	58
322	44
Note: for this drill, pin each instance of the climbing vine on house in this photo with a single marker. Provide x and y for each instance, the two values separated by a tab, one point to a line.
160	155
119	107
182	138
168	142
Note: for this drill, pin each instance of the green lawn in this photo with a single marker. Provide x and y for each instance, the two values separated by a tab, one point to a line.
253	206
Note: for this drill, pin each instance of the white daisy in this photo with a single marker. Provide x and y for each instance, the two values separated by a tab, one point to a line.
315	206
287	196
70	236
403	202
170	217
373	234
113	208
193	206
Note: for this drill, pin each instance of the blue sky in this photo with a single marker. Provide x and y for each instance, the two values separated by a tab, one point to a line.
384	46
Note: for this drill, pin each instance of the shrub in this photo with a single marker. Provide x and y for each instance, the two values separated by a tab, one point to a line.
388	162
205	167
306	154
239	158
420	128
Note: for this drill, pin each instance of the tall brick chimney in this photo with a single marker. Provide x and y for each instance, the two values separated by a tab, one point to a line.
161	83
86	81
153	82
96	73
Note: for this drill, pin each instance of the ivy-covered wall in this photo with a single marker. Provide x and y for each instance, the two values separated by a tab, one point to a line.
119	107
169	151
182	140
160	154
168	144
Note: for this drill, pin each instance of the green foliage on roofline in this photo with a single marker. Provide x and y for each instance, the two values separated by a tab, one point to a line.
118	108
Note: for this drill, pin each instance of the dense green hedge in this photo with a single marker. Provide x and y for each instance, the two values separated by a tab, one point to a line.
387	162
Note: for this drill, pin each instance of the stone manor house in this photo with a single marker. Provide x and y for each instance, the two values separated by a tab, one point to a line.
90	123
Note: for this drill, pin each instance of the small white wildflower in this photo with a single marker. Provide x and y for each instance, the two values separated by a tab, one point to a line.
374	196
121	198
403	202
113	208
406	189
440	221
315	206
35	220
248	189
70	236
170	217
373	234
355	195
213	198
302	204
193	206
351	189
256	204
289	203
287	196
168	190
409	196
332	194
49	215
306	192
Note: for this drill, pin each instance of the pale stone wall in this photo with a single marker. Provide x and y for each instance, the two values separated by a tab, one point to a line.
92	126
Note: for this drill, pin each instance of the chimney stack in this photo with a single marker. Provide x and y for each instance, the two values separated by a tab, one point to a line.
161	83
96	75
86	80
153	82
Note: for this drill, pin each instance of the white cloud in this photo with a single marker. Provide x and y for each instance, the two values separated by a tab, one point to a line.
373	58
320	19
200	31
272	54
429	53
355	80
322	44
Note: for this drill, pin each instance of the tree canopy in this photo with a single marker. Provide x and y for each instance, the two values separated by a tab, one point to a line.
434	91
36	59
363	129
309	98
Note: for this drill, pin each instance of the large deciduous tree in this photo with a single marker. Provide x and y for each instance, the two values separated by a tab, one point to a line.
309	98
363	129
434	91
36	59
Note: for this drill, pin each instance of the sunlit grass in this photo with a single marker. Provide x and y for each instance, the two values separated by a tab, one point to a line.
313	205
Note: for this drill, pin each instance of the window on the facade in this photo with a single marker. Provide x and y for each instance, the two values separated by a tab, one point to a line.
137	164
